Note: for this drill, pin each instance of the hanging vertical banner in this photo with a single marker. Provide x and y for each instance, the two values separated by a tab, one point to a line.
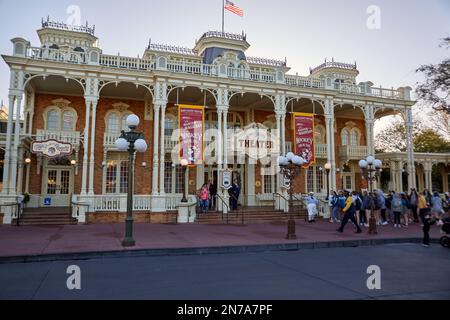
305	144
192	122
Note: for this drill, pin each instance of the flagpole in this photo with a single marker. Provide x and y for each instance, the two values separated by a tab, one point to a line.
223	17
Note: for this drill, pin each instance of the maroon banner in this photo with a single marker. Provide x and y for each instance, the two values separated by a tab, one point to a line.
305	145
191	120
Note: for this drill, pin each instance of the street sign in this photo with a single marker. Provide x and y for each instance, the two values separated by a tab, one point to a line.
226	179
47	201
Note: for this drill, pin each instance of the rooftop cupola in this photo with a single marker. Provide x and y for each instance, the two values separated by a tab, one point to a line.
344	72
57	35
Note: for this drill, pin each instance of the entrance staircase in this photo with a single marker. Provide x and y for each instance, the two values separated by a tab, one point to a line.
47	216
251	215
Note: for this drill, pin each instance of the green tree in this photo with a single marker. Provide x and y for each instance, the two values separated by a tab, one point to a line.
393	139
436	88
428	140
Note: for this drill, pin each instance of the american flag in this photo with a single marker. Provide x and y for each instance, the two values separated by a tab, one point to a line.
230	6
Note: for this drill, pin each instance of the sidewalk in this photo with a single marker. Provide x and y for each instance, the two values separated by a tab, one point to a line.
54	240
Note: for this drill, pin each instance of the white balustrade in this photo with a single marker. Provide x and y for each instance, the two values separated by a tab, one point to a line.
321	149
172	202
193	67
72	137
109	140
353	152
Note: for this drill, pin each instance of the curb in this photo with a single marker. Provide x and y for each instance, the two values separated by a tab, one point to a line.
205	250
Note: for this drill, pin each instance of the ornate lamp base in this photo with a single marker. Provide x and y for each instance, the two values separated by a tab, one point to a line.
373	226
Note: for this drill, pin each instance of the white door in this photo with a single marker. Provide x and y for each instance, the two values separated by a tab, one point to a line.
57	187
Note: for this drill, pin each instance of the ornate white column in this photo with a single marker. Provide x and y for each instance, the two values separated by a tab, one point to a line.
86	147
155	190
225	137
428	169
410	149
6	166
92	147
162	106
15	150
21	164
399	180
331	155
370	122
392	175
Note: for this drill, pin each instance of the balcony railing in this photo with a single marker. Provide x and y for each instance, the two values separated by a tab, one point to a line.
72	137
198	68
353	152
109	140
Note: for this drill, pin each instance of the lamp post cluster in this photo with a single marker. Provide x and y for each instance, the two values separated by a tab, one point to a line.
371	170
290	166
130	141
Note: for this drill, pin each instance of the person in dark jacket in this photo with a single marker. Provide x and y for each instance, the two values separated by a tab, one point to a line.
349	214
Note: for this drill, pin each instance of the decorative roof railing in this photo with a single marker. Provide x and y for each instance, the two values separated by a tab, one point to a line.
224	35
332	64
208	70
63	26
171	49
267	62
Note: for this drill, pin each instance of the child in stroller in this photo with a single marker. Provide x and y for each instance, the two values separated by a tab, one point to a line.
445	240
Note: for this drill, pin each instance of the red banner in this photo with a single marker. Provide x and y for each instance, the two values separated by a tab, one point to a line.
305	145
191	120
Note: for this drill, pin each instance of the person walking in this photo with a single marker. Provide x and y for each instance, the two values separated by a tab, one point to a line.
366	208
204	197
436	205
424	212
358	204
396	208
334	207
349	214
414	202
235	193
382	203
313	207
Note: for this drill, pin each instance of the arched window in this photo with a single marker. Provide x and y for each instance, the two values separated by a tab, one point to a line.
354	137
320	135
53	120
345	137
68	121
113	123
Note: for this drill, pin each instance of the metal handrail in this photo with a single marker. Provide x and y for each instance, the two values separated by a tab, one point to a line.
225	204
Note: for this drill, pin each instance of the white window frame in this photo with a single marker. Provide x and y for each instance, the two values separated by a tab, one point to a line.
60	112
119	158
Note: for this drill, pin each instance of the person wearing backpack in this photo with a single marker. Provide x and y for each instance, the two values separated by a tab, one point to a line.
366	207
382	202
396	208
406	207
349	214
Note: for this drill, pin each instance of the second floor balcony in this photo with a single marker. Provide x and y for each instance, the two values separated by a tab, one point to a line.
353	152
72	137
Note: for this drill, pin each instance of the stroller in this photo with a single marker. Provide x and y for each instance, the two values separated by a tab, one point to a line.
445	240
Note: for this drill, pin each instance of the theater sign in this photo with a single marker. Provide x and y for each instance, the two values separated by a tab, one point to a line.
51	148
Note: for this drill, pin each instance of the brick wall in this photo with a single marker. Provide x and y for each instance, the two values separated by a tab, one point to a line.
140	217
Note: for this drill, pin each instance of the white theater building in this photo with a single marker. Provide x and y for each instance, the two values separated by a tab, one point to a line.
72	92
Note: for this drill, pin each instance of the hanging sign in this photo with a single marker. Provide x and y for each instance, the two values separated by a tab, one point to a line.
191	120
286	182
305	145
51	148
226	179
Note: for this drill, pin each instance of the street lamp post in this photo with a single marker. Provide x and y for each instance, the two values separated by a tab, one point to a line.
327	170
130	141
184	164
371	169
290	168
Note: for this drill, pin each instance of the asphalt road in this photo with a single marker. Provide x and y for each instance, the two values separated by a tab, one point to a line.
408	271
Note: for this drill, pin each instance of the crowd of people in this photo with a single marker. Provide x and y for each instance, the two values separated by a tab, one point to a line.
207	196
398	209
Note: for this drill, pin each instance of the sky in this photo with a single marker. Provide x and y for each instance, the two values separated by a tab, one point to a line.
388	47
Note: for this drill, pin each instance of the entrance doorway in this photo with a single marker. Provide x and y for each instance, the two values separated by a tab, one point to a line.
57	187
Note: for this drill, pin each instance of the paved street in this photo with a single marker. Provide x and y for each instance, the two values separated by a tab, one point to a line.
408	271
